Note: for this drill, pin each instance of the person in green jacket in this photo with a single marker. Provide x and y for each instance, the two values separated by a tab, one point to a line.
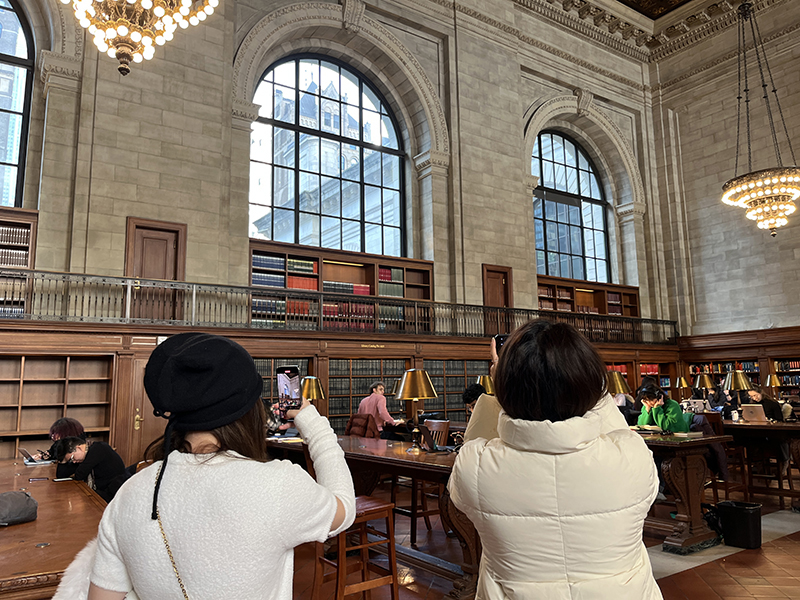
658	409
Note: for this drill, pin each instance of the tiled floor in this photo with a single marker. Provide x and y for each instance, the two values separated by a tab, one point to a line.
773	571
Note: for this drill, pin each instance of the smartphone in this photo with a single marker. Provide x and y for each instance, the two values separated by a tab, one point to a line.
288	378
499	340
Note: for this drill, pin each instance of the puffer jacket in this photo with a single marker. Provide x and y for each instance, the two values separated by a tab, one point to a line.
560	507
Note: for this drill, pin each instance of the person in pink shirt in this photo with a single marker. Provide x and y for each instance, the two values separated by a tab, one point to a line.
375	405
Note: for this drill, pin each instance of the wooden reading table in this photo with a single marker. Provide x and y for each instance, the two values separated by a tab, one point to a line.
35	554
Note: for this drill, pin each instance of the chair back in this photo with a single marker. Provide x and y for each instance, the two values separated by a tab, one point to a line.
439	431
715	420
362	425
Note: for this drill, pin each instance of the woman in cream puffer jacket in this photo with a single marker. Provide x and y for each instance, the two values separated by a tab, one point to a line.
559	499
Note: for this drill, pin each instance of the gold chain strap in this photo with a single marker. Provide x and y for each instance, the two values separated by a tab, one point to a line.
171	559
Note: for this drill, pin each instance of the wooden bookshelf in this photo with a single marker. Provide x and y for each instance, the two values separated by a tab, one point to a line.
571	295
17	251
788	371
665	374
36	390
449	378
719	369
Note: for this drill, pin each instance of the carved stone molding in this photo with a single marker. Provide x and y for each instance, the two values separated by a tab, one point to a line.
271	30
352	13
630	210
59	71
244	113
531	183
432	161
585	99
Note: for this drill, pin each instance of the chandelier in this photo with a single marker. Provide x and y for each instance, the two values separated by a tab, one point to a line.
130	30
768	195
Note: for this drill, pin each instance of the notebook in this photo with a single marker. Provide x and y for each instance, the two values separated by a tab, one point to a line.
754	413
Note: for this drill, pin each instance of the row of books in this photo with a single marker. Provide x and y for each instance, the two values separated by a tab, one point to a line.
13	258
566	294
367	367
614	297
269	261
339	406
748	366
262	305
390	313
649	369
621	368
268	280
356	326
545	291
390	274
15	235
12	312
348	309
301	283
390	289
787	365
590	310
790	379
300	265
343	287
452	367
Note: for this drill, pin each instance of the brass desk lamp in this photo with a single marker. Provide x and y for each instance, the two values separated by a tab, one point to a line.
487	383
773	381
682	384
311	389
704	382
415	387
737	381
616	383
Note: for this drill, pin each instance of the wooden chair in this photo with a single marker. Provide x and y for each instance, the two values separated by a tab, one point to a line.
421	492
736	460
367	509
766	464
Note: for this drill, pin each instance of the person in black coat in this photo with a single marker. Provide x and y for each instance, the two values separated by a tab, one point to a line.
97	464
772	409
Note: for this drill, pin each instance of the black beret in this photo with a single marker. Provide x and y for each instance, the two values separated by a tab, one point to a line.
201	381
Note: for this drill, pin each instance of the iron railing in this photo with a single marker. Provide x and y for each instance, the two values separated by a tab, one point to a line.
47	296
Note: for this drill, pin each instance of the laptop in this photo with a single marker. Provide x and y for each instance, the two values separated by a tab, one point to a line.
694	405
29	460
754	413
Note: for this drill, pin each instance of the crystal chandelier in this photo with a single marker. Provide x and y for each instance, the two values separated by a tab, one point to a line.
767	195
129	30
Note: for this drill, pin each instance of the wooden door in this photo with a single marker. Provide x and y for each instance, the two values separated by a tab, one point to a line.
156	250
145	426
497	293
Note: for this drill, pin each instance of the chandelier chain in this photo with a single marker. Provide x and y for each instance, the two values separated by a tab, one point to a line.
740	41
759	50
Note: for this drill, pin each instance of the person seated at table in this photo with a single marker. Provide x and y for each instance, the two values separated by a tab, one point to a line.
648	382
62	428
660	410
560	497
375	405
772	408
96	463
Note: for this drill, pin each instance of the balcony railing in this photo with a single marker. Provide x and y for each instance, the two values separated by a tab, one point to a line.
46	296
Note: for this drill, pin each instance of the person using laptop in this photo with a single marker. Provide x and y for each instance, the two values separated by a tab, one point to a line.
661	410
772	409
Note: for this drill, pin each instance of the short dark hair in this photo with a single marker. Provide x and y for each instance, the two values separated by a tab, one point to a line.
548	371
65	446
472	392
66	427
376	384
649	392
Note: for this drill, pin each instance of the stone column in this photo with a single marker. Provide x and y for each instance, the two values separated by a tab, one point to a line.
438	226
243	115
633	267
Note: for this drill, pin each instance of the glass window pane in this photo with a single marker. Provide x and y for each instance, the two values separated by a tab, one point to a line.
588	242
372	166
391	207
548	178
563	238
261	142
331	198
283	147
566	266
547	146
351	201
12	40
388	135
263	97
574	215
309	75
309	229
351	161
577	267
260	222
535	152
329	78
536	167
550	210
558	149
12	85
538	208
351	236
309	152
391	171
372	127
283	226
373	239
561	177
602	271
372	204
582	162
552	235
284	104
350	121
349	88
260	183
575	240
569	153
283	188
285	74
595	188
585	186
562	212
572	180
591	270
331	158
331	233
586	207
11	125
391	241
309	193
330	117
370	100
309	111
600	244
541	268
538	226
597	216
553	264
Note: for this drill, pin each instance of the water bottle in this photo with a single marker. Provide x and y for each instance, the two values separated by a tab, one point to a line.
735	416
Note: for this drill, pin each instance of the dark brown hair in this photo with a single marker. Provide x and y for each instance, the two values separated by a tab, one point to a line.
66	427
245	436
64	446
375	385
548	371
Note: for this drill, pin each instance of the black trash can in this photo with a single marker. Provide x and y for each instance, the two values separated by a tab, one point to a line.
741	523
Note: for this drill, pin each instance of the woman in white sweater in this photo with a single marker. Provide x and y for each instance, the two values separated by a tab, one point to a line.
214	519
559	498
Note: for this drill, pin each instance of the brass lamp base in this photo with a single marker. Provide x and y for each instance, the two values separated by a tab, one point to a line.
416	448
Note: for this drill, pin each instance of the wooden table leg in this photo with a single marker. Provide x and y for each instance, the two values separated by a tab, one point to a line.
464	588
685	476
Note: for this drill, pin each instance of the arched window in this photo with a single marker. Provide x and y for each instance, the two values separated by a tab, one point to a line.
326	167
16	83
569	211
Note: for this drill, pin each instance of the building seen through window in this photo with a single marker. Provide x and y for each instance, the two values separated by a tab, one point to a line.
325	160
16	80
569	211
